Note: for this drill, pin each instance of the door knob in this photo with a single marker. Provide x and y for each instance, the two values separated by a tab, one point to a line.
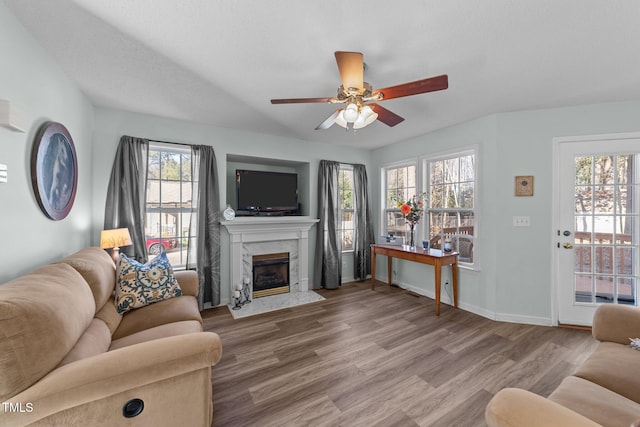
567	246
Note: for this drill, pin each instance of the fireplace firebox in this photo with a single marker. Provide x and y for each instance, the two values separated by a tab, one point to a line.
270	274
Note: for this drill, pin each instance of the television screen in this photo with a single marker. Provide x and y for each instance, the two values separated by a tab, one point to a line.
260	191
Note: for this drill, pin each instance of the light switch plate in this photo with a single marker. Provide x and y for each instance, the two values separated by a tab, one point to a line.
521	221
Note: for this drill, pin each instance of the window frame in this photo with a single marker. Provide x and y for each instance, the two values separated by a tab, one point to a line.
425	161
384	210
341	210
182	221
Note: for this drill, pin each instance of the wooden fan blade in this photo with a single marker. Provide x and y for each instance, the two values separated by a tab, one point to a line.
431	84
351	67
329	121
387	117
300	100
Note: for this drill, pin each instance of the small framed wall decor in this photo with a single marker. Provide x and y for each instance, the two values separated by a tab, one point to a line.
524	185
54	170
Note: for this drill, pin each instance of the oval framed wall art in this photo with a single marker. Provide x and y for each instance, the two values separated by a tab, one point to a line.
54	170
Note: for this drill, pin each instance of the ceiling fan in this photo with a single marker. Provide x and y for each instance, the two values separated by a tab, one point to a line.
359	97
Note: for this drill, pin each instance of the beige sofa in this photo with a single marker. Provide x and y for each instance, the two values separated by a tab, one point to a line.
67	357
604	391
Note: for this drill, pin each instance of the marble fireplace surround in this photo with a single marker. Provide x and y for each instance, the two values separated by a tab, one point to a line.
249	236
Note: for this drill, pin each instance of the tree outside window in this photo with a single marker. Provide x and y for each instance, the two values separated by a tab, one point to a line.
451	214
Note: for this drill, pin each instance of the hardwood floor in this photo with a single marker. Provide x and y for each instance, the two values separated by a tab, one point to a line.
379	358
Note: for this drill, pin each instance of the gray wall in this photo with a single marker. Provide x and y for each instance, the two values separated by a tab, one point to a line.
110	125
31	80
514	281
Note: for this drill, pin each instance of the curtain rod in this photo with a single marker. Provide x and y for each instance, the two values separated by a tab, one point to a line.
347	163
168	142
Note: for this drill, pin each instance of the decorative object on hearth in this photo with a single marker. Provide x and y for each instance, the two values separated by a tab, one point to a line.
412	210
241	294
357	95
54	170
246	289
229	214
114	239
237	300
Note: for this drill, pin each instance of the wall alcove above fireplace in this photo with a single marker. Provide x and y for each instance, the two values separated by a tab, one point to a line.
241	162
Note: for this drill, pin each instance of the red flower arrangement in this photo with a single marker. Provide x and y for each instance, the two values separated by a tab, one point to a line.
412	209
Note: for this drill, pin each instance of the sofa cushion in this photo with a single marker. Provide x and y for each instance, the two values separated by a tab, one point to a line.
138	285
160	313
162	331
98	269
109	315
614	366
95	340
595	402
42	315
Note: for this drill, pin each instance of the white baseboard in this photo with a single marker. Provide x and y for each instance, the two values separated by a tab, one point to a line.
492	315
527	320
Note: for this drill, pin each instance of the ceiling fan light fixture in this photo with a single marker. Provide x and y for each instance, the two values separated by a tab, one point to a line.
351	113
367	116
339	120
355	94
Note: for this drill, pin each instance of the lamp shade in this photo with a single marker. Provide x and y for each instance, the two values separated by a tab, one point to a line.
351	113
115	238
339	120
366	117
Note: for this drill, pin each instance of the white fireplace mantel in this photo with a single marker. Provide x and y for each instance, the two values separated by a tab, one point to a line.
245	231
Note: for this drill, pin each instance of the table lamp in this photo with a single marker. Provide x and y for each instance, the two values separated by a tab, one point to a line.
113	239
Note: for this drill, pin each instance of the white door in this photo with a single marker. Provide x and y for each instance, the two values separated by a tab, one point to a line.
598	198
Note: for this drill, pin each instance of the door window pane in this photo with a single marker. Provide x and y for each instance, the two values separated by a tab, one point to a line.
606	246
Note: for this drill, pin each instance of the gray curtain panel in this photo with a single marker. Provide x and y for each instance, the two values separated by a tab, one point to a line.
127	194
328	260
203	251
363	224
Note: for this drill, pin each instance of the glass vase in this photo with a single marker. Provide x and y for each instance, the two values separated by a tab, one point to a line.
412	242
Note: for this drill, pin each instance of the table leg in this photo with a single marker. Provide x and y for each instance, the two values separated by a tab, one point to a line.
454	279
438	271
389	268
373	268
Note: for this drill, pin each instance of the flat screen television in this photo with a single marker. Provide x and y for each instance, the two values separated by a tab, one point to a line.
266	192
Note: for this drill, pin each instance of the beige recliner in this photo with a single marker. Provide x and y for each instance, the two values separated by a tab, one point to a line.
67	357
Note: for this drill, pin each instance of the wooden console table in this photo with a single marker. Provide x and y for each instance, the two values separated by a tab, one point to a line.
433	257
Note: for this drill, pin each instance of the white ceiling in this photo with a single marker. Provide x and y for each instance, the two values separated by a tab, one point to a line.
220	62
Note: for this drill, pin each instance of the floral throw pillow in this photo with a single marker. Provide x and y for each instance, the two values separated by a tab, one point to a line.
138	285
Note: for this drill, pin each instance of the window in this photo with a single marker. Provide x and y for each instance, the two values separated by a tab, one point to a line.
168	204
399	183
345	184
451	184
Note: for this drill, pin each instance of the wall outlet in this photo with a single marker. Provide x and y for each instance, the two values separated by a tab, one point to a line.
521	221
